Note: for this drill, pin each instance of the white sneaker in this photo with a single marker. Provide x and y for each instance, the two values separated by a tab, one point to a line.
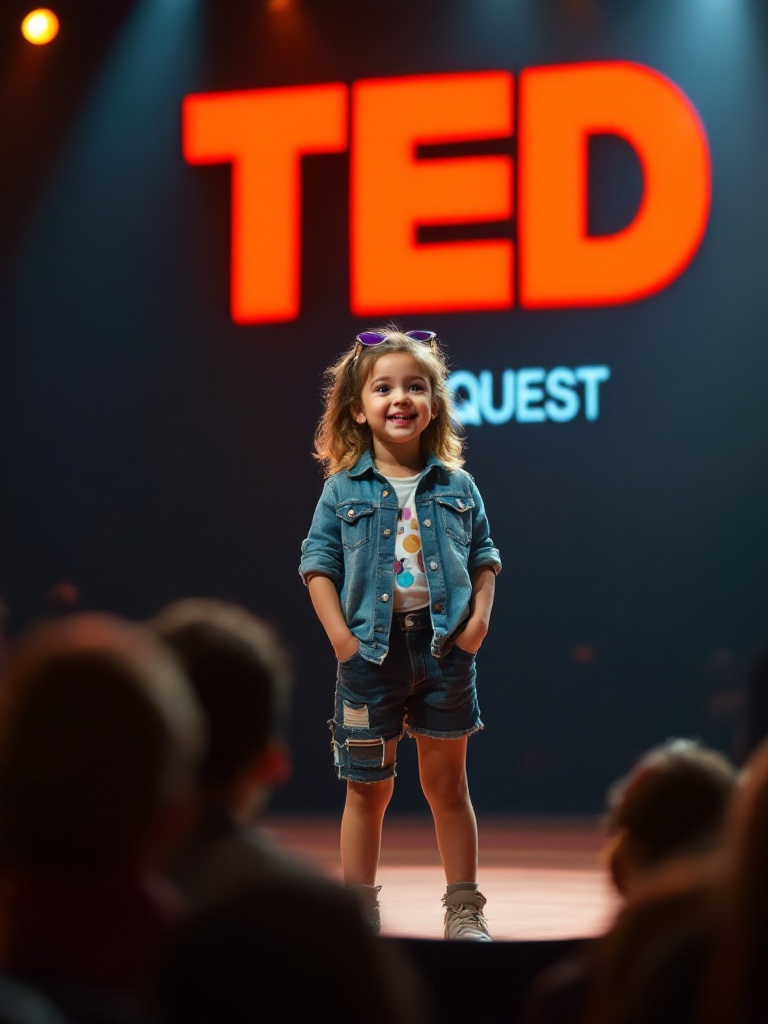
367	896
464	918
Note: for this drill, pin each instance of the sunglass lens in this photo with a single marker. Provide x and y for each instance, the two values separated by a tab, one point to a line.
377	337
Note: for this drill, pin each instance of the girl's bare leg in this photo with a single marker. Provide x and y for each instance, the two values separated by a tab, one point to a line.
361	826
443	775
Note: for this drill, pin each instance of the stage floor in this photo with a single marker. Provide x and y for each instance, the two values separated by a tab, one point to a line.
542	879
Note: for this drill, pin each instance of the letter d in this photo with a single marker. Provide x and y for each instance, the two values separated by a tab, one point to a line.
560	107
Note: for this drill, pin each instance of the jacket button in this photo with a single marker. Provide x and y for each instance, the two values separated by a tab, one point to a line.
433	565
385	597
385	494
427	522
438	607
387	532
351	514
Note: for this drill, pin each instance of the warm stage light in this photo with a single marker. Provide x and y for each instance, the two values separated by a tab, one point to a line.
40	26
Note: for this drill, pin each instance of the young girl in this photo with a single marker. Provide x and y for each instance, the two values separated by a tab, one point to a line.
401	570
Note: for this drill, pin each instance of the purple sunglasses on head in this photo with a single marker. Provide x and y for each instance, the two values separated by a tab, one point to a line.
369	338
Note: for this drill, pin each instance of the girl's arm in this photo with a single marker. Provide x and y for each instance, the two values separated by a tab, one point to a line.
482	552
480	604
325	601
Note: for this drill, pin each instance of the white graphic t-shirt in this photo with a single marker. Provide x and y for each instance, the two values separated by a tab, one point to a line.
411	589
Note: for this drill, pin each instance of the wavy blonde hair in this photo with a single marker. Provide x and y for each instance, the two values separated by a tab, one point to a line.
340	440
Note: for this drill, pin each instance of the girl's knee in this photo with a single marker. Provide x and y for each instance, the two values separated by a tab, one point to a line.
446	793
370	795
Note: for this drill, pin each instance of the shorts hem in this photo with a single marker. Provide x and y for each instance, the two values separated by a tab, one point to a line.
345	774
453	734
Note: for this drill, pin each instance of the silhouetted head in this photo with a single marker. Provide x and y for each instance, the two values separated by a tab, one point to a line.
99	732
241	674
672	803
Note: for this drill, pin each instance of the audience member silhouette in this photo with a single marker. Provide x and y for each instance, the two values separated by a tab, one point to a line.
756	704
737	985
649	965
100	739
268	936
672	803
670	807
693	949
242	676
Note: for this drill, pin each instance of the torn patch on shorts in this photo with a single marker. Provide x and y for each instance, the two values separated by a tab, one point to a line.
356	716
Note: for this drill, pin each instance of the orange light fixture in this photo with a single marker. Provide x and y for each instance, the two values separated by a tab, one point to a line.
40	26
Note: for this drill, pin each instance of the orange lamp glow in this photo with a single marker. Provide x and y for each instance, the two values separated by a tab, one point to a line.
40	26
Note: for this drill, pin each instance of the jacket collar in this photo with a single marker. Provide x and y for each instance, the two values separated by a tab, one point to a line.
364	464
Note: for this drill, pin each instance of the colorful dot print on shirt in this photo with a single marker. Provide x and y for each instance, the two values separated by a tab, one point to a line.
410	581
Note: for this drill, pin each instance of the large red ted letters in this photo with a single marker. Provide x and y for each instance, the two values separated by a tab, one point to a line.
394	190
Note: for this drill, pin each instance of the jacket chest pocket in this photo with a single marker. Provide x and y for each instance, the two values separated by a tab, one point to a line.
456	517
356	518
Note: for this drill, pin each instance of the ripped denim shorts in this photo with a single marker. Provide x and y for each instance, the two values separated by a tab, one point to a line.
411	692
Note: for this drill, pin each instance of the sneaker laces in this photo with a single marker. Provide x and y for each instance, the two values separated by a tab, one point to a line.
467	913
466	918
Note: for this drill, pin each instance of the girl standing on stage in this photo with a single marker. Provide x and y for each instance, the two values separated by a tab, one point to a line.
401	571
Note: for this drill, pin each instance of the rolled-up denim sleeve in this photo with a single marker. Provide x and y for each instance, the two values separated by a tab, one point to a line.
482	550
321	550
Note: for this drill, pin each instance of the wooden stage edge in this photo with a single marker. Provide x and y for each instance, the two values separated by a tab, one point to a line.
543	878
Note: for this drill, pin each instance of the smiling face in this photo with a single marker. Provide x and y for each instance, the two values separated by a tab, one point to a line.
397	403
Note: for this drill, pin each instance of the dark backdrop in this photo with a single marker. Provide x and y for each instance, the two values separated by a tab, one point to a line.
151	448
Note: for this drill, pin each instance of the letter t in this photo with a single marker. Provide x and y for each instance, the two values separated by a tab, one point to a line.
263	133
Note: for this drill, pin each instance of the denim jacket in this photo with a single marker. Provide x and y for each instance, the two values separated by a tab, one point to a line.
352	541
